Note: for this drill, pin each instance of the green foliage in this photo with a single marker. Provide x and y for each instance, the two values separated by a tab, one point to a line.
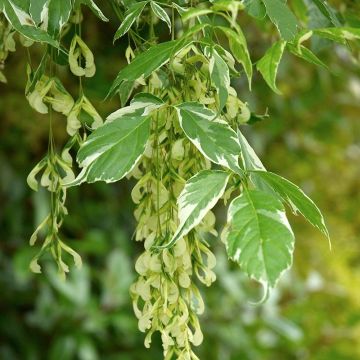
94	8
200	194
239	49
282	17
219	75
58	15
269	63
295	198
23	23
160	13
130	17
146	63
259	237
113	150
214	138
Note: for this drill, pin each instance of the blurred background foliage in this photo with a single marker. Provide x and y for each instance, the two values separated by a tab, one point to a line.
312	137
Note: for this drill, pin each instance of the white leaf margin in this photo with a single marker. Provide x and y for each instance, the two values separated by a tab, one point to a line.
186	209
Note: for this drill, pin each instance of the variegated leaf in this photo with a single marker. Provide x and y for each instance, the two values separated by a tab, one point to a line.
20	11
239	49
24	24
269	63
130	17
22	4
305	54
36	10
113	149
219	74
327	11
259	237
341	35
160	13
200	194
194	12
252	162
95	9
147	62
249	158
295	198
142	105
213	137
58	14
282	17
36	75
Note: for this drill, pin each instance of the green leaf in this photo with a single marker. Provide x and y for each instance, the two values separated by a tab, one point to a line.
95	9
195	12
255	8
23	23
141	105
36	8
327	11
219	75
125	91
282	17
181	10
213	137
197	28
249	158
255	118
295	198
269	63
113	149
300	10
200	194
160	13
252	162
305	54
239	49
22	4
259	237
130	17
147	62
58	15
35	77
341	35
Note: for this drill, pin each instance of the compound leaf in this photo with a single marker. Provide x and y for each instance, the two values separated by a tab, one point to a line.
259	237
268	65
113	149
161	13
130	17
147	62
219	74
298	201
213	137
200	194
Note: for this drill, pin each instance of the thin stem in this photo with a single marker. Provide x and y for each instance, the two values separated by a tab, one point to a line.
172	23
28	56
156	143
51	151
